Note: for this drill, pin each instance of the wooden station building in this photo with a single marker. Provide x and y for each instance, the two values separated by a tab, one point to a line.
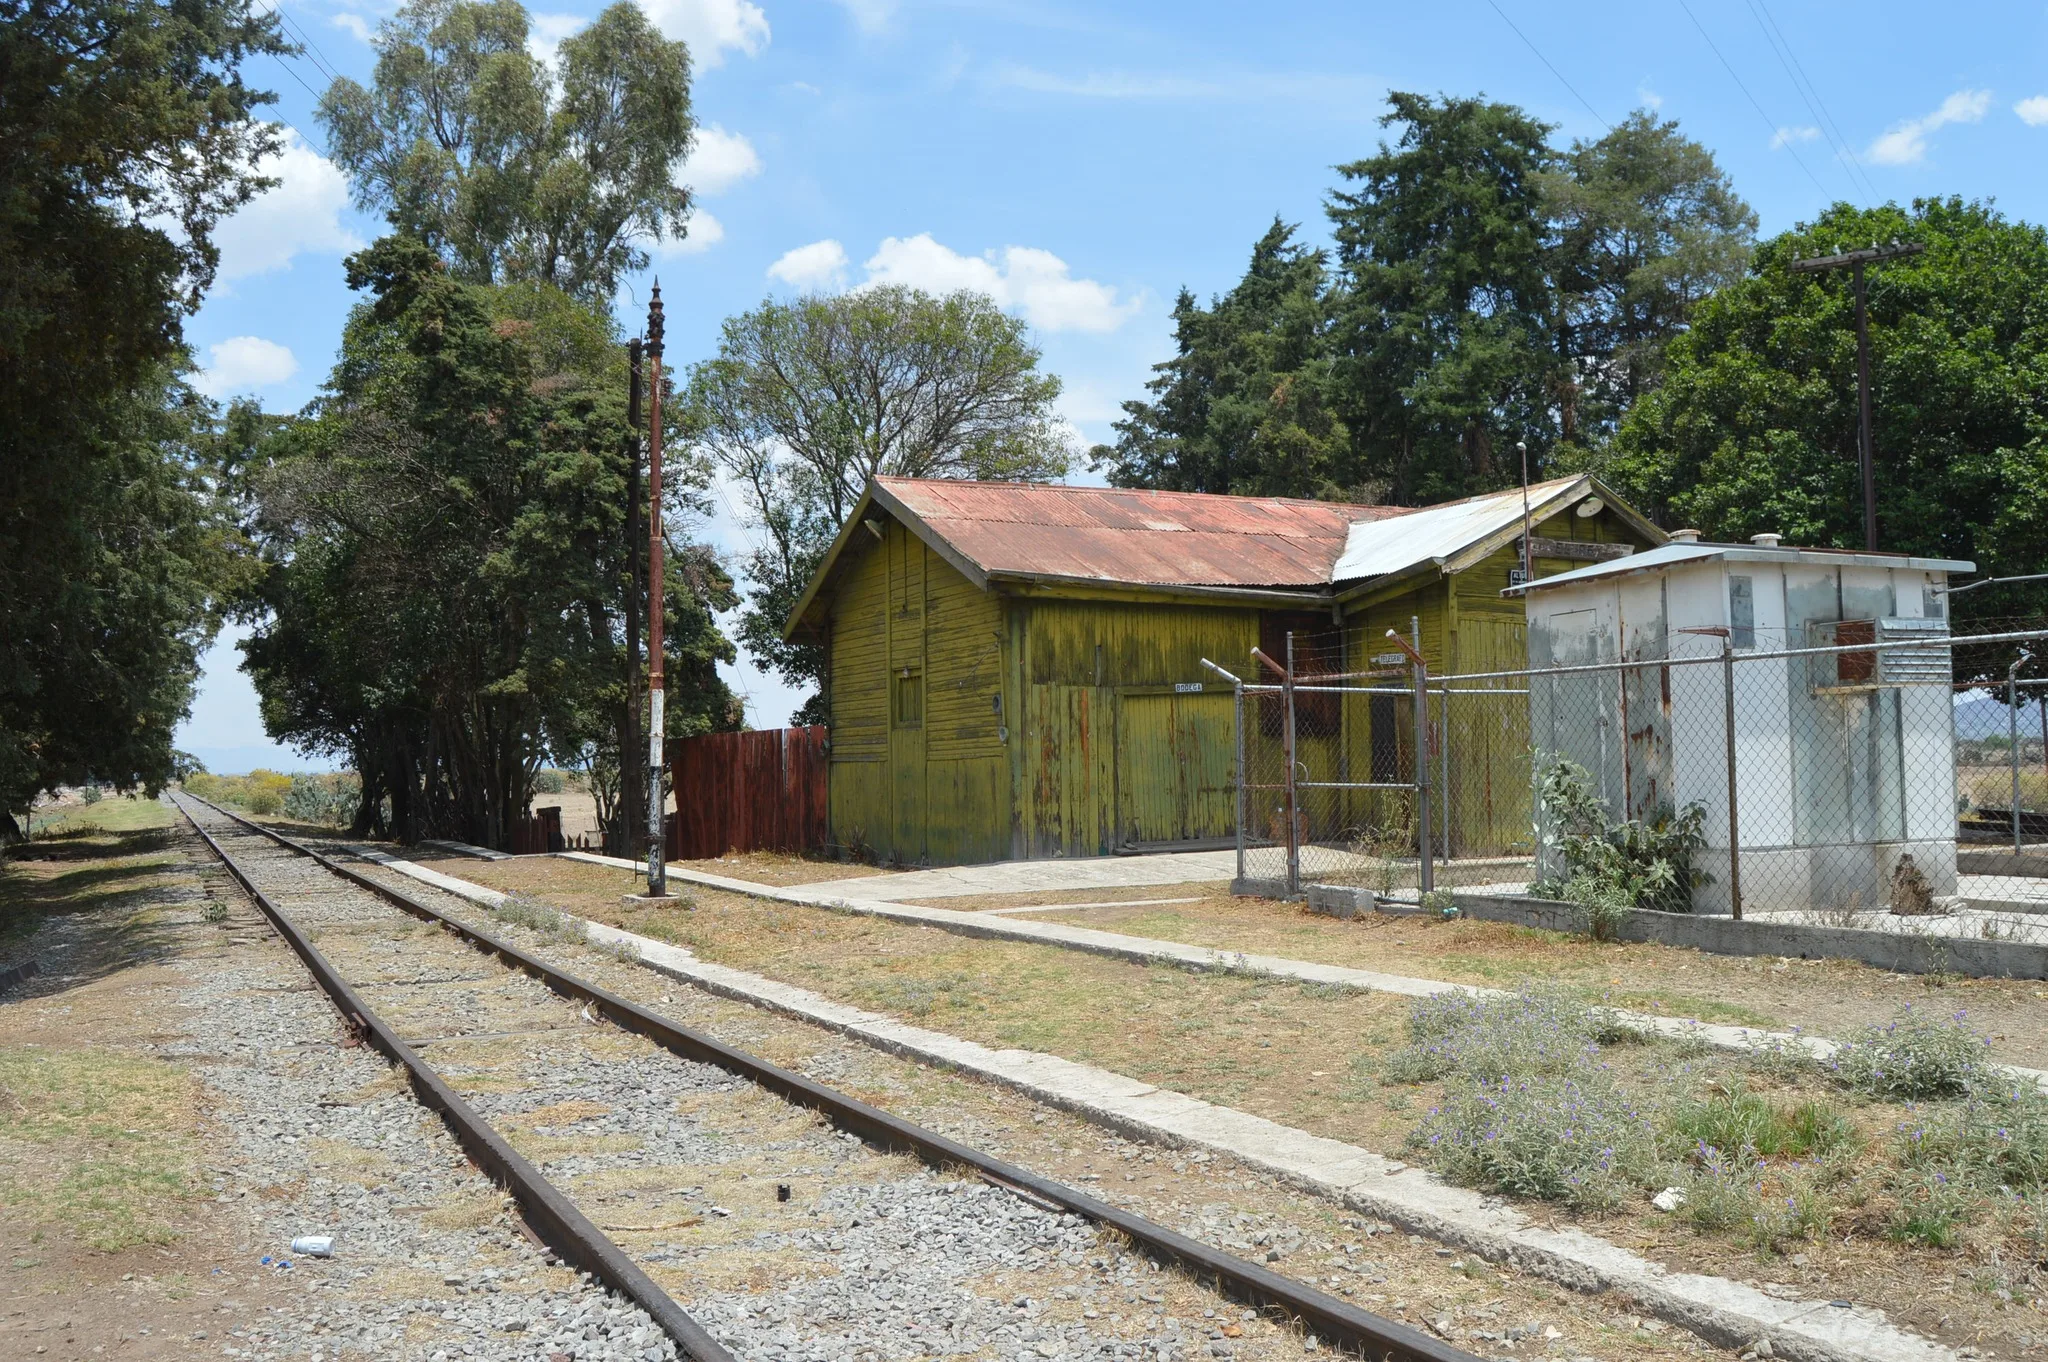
1015	669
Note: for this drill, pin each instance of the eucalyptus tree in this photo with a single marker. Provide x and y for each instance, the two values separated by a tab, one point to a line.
508	167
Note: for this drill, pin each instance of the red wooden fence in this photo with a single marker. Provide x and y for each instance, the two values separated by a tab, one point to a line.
540	833
760	791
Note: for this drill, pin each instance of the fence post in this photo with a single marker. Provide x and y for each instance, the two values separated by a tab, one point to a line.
2012	714
1728	732
1443	717
1425	875
1293	840
1237	704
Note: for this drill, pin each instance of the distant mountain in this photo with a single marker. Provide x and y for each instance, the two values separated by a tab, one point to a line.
1981	716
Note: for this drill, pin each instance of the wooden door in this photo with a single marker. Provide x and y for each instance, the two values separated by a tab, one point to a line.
1489	741
1176	754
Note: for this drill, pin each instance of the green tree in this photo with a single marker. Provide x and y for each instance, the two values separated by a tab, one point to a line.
808	400
1443	327
447	560
130	135
1645	225
1754	426
468	143
1244	406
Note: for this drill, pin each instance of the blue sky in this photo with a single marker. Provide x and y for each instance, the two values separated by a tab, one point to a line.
1083	162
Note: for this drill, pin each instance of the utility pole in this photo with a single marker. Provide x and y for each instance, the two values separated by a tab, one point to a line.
1865	452
632	786
657	873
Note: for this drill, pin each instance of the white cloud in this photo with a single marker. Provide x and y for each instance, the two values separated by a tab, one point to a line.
1906	144
720	160
2033	111
544	34
705	232
870	16
1034	282
300	215
1785	137
712	26
1649	98
244	362
352	24
822	264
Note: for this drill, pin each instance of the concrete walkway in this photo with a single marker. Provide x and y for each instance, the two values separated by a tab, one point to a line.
1042	877
1721	1311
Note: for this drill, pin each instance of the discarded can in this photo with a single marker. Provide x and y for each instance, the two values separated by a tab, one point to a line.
782	1191
314	1245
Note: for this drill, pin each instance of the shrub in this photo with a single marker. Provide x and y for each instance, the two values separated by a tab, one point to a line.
1930	1208
1574	1138
1611	868
261	801
1762	1203
536	916
327	799
1911	1057
1995	1140
91	793
1490	1036
547	781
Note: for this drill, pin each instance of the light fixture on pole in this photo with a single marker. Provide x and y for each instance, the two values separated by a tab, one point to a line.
1528	551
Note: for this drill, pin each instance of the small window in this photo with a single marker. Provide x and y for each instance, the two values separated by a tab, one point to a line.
1742	612
909	698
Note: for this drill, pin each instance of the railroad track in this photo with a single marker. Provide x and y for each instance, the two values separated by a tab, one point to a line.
858	1235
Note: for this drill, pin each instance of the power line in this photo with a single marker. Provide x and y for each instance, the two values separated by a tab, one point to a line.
1552	69
1769	121
1825	115
319	59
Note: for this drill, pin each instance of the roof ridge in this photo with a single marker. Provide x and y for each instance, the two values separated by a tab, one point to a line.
1023	486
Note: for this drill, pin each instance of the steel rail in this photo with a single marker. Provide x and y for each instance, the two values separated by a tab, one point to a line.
553	1216
1333	1320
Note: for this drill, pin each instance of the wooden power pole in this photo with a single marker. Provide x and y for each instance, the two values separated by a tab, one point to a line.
1866	455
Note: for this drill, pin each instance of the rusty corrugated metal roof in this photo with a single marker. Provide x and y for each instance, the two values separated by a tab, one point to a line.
1136	536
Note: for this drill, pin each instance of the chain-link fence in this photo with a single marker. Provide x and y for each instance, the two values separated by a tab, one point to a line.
1870	773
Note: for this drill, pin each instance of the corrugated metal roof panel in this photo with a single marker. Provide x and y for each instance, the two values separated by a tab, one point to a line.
1149	538
1376	548
1671	555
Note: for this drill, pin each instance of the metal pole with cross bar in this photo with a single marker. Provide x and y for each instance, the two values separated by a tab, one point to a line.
1866	455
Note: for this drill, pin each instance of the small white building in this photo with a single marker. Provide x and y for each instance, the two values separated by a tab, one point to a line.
1843	762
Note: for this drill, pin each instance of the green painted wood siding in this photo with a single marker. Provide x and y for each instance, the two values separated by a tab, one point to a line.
1103	765
918	771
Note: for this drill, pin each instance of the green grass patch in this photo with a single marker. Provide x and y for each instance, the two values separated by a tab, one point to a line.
1749	1121
115	813
97	1143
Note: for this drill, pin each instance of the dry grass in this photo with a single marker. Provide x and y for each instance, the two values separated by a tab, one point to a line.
1820	997
98	1143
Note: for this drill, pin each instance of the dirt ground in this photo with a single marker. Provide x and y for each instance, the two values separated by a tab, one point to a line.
112	1246
1310	1056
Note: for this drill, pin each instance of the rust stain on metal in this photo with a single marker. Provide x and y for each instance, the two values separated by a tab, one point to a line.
1137	536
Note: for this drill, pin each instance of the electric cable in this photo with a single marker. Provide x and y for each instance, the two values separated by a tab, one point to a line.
1769	121
1552	69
